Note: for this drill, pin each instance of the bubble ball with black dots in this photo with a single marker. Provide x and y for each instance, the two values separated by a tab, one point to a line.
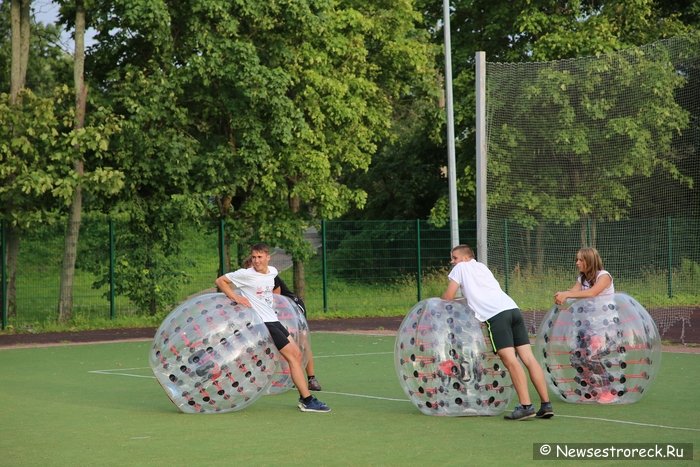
289	314
445	363
212	355
600	350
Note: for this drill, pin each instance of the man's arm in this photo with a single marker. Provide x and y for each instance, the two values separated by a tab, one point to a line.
224	285
451	290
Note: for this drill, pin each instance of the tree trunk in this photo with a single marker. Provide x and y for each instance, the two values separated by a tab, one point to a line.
16	80
12	236
224	208
299	280
24	37
528	249
539	234
19	21
297	265
65	303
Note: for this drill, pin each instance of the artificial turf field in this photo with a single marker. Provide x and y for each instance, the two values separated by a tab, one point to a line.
99	404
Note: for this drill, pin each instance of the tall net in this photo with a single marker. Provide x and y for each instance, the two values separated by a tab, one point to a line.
599	151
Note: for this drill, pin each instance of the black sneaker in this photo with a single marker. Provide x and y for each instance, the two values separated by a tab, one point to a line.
314	405
546	410
521	413
314	385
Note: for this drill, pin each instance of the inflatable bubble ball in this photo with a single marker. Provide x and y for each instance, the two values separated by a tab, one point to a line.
600	350
212	355
293	319
445	364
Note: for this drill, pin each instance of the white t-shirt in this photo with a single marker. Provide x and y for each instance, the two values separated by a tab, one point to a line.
481	289
609	290
257	288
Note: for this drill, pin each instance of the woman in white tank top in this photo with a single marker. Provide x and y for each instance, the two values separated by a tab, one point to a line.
592	280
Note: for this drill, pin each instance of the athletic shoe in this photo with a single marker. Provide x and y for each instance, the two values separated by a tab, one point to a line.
314	405
521	413
545	411
314	385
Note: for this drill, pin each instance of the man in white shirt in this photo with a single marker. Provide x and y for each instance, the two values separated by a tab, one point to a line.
256	285
505	325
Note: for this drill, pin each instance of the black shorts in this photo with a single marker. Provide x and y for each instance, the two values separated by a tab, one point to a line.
280	335
507	329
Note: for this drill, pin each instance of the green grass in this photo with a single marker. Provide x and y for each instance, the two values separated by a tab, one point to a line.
58	411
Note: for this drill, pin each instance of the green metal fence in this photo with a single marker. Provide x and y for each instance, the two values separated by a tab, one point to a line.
367	267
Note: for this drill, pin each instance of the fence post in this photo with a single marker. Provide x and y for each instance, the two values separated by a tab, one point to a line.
324	266
3	275
670	257
419	278
111	269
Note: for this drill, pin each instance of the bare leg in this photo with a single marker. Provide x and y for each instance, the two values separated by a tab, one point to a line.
309	359
292	354
517	374
535	370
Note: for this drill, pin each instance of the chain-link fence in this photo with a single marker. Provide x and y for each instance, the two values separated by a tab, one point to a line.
362	268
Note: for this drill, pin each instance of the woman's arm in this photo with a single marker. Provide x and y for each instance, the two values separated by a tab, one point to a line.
577	291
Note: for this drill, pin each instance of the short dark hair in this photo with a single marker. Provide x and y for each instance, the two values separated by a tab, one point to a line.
464	249
261	247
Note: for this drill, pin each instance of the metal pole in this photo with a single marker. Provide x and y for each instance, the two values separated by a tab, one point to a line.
324	267
507	252
3	275
419	278
451	164
670	257
481	154
112	262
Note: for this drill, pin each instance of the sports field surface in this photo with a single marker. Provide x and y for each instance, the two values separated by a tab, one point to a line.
99	404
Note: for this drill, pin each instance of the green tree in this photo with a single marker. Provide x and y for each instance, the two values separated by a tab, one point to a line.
75	210
133	73
39	143
19	46
578	102
538	30
281	99
578	115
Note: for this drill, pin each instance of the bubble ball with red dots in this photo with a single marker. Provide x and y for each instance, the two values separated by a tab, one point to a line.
600	350
212	355
445	364
289	314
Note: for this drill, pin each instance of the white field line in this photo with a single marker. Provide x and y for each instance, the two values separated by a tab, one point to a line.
118	372
121	372
366	396
625	422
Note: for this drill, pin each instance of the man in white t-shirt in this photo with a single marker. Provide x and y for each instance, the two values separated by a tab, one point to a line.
505	325
256	285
